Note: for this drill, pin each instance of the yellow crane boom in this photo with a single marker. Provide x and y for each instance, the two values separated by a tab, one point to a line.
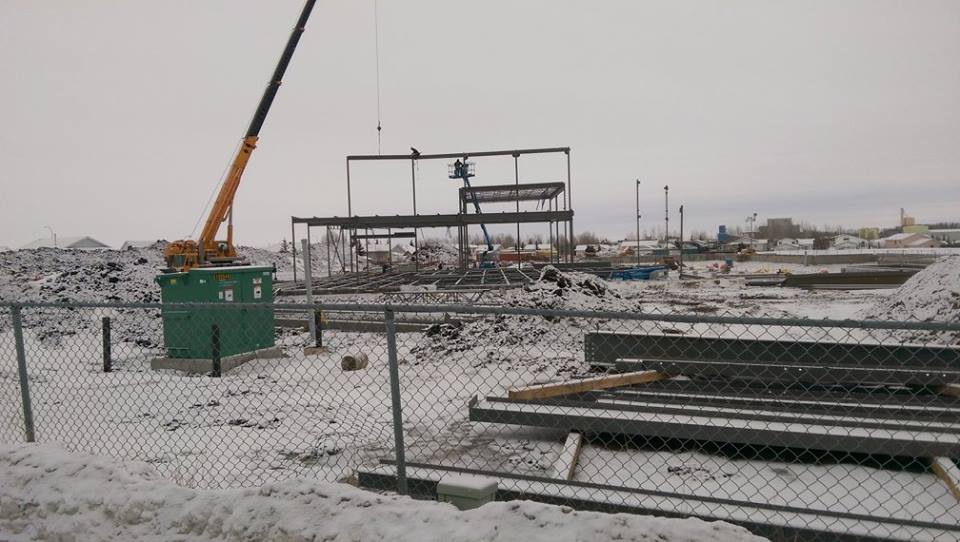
206	250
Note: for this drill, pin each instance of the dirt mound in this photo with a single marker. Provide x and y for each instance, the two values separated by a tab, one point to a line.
543	342
569	290
64	276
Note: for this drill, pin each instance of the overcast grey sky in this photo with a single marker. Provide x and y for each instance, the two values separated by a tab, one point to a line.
120	116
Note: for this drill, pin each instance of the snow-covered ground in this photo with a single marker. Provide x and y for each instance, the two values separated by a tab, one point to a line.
48	493
301	416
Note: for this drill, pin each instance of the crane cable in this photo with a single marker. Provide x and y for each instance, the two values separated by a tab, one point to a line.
376	42
213	191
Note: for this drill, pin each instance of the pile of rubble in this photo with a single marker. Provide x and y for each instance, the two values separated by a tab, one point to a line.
527	340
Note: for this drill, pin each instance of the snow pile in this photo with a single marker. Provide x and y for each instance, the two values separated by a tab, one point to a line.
436	253
932	295
48	493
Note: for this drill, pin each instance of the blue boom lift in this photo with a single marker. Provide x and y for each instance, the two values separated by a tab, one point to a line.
462	169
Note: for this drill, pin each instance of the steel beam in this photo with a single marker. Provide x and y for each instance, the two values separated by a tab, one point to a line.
449	155
434	221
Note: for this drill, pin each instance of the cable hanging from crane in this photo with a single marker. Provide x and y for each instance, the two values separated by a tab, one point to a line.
376	46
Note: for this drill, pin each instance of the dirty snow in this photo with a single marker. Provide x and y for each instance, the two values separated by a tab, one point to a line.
931	295
50	494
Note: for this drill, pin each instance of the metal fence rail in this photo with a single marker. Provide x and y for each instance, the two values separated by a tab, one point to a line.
794	428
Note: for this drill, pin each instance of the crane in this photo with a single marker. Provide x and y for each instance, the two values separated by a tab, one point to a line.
206	251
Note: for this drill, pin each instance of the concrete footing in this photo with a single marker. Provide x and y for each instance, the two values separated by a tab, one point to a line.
204	366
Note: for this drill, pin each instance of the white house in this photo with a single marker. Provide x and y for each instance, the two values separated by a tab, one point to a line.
845	241
81	243
647	246
788	243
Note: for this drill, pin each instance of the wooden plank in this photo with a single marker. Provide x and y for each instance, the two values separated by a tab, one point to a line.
568	387
947	470
566	464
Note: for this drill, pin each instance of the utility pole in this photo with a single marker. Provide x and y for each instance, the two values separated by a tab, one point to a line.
666	217
638	222
681	242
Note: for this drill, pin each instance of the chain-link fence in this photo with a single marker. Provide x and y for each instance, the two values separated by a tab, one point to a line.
849	428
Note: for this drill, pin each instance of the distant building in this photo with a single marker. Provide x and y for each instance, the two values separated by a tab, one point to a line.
915	228
647	246
949	236
845	241
909	240
788	243
77	243
779	228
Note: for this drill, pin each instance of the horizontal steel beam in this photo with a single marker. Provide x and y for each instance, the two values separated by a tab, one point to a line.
808	436
603	348
435	221
798	373
476	154
778	522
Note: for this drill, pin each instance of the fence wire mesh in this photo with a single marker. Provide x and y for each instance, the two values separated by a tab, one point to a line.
844	427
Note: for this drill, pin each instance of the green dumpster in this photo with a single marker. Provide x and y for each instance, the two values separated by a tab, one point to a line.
187	330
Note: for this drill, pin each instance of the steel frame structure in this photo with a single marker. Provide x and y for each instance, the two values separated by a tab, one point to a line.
555	216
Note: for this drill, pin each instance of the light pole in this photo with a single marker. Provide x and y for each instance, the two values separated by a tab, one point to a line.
638	222
666	217
53	235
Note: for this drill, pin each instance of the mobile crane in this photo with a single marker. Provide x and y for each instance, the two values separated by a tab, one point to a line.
207	251
209	271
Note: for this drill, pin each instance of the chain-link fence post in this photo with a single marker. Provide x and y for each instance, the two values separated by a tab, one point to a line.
395	399
107	357
22	373
215	351
318	325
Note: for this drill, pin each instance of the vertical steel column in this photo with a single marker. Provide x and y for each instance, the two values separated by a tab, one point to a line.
22	374
389	249
638	222
349	214
395	400
293	243
329	263
308	282
416	241
516	177
572	248
550	228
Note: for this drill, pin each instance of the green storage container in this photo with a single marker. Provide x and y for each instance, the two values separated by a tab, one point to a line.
187	331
